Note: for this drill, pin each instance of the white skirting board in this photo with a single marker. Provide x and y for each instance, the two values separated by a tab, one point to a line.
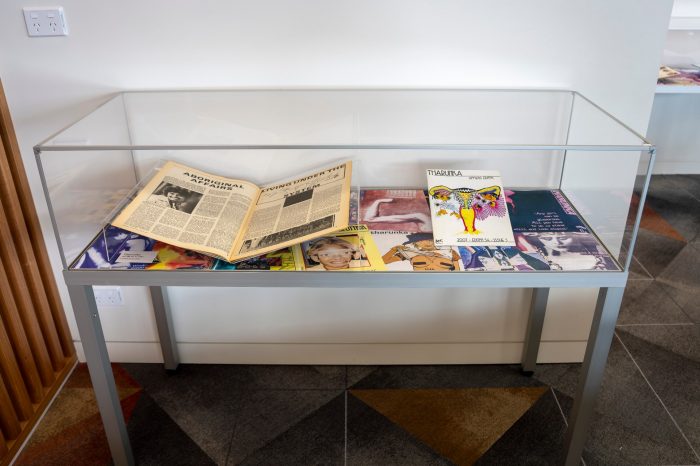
357	353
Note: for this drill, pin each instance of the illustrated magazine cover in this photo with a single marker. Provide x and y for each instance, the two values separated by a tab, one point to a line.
468	208
402	250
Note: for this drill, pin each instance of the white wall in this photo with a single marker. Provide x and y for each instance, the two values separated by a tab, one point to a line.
675	117
674	124
609	51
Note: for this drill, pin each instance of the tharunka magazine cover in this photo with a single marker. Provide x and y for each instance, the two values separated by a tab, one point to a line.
468	208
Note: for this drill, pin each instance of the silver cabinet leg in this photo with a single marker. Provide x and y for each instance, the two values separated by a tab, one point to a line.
93	340
602	330
538	306
164	322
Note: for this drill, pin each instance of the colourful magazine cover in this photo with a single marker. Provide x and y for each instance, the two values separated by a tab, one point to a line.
107	249
395	209
108	245
468	208
282	259
173	258
352	249
402	250
479	258
542	210
567	250
680	76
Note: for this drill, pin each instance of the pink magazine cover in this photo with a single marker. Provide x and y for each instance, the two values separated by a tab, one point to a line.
404	210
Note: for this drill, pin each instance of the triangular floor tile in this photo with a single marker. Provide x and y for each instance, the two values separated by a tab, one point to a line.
318	439
460	424
156	439
654	222
80	442
373	440
264	415
537	438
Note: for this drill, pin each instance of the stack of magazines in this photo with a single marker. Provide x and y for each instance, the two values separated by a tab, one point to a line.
188	219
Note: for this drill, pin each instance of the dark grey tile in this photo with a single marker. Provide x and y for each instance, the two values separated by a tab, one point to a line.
563	378
291	377
357	373
264	415
245	377
689	183
655	251
630	426
317	439
681	340
646	302
195	398
675	205
375	440
638	272
663	186
669	357
157	440
681	280
205	400
446	376
537	438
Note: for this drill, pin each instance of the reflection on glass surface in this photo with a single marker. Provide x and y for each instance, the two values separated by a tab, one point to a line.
545	140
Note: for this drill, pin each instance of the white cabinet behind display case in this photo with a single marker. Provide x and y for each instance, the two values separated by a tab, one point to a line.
675	119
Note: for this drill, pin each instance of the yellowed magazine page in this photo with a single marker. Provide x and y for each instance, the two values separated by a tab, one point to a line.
298	210
190	209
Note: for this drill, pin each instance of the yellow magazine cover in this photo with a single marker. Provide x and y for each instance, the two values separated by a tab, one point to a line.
351	249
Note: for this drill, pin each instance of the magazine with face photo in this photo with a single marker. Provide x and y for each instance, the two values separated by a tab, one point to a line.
567	250
352	249
478	258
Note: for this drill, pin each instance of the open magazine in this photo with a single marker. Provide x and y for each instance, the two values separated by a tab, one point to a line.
235	219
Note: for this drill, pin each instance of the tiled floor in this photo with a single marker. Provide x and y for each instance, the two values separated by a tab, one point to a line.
648	411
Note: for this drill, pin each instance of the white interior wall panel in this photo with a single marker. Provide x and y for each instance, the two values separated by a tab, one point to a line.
609	51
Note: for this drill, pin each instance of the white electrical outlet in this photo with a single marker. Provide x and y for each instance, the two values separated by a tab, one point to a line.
42	22
108	295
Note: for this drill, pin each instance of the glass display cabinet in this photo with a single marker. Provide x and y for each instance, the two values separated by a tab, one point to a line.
555	141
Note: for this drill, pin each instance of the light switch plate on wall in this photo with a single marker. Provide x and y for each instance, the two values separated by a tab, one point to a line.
43	22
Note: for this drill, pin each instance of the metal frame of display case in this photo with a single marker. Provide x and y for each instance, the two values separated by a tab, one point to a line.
611	284
80	282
